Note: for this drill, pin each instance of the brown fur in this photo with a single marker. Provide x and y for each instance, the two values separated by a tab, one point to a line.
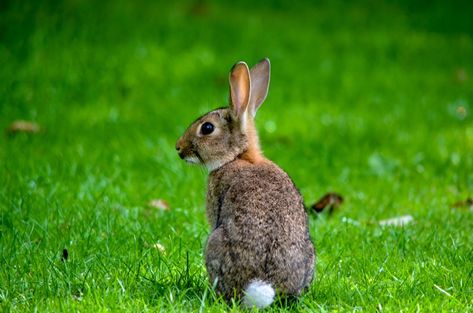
259	229
257	216
253	152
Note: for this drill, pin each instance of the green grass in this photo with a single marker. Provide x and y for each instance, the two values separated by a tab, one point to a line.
366	99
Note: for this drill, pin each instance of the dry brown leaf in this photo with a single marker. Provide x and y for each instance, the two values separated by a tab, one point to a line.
21	126
461	75
332	200
65	255
159	204
159	247
156	246
199	8
466	204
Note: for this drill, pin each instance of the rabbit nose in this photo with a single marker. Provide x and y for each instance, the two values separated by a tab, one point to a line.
179	149
179	145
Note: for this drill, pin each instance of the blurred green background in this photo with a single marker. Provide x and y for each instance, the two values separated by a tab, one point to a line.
372	99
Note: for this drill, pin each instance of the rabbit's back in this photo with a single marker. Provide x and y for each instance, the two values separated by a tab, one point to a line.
262	225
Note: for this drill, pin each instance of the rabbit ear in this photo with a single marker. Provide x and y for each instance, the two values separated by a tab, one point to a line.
240	89
259	74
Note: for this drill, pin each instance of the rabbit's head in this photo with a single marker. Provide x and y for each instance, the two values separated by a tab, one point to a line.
225	134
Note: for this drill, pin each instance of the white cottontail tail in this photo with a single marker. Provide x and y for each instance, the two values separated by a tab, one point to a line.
259	244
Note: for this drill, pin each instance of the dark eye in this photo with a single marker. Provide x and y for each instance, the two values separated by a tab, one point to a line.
207	128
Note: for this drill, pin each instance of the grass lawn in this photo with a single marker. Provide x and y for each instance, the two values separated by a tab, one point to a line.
372	100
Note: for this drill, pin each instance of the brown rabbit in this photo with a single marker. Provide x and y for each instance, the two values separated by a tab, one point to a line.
259	244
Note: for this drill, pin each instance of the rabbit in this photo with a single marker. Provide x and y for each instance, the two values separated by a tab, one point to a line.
259	244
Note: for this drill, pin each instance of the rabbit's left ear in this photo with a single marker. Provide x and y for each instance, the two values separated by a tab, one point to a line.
240	87
259	74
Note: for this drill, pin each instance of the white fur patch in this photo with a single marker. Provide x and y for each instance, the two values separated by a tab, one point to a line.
259	294
192	159
212	166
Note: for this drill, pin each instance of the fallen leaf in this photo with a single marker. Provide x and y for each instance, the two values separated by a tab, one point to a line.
21	126
332	200
156	246
199	8
65	255
397	221
159	204
159	246
466	204
461	75
461	112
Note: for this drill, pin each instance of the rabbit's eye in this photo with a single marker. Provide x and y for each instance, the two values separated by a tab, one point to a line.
207	128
